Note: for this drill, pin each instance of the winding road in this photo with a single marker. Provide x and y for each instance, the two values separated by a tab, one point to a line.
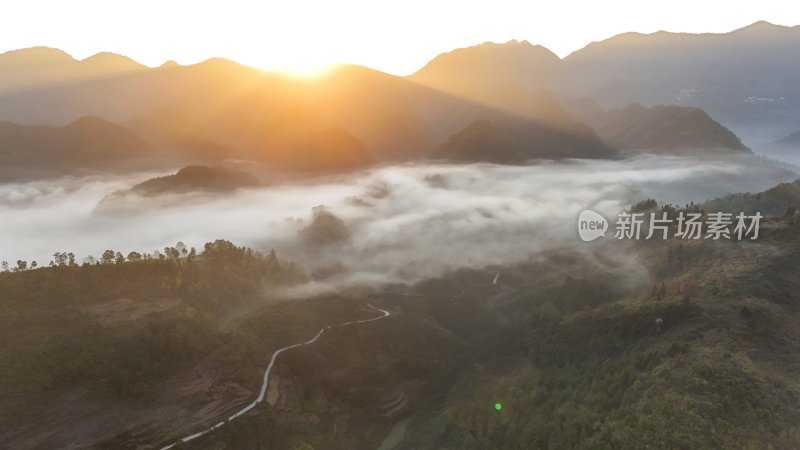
265	381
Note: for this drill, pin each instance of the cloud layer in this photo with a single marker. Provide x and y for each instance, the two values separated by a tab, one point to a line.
391	224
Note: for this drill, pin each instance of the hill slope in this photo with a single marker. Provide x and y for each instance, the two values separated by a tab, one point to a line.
178	133
516	77
328	150
772	202
517	141
88	141
197	182
196	178
667	129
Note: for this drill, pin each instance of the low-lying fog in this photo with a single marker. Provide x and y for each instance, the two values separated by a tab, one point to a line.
397	223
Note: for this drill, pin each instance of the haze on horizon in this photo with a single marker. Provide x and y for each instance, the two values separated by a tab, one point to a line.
309	35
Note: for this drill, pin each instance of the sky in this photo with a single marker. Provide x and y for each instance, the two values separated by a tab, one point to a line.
397	37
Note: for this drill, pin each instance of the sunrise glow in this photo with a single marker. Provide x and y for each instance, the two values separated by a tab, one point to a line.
304	37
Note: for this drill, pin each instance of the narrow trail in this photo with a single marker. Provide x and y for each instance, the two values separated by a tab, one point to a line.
265	382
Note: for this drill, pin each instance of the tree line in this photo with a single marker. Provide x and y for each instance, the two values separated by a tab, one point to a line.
68	259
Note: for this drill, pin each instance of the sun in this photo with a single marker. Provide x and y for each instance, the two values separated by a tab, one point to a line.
305	66
295	58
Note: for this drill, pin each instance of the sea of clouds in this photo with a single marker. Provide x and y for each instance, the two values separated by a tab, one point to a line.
391	224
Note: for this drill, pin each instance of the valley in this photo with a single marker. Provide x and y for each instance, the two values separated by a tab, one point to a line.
444	352
216	254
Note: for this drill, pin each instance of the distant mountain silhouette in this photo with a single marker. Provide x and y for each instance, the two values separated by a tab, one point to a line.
515	77
88	141
744	77
747	76
481	67
495	74
667	129
38	67
517	141
171	64
789	141
260	115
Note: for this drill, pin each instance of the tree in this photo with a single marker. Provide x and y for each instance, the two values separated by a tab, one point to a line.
60	259
221	247
71	259
108	257
134	256
4	266
172	253
272	260
34	264
181	247
118	258
21	266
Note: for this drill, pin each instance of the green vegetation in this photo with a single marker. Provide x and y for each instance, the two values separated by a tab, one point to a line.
703	360
658	344
72	326
577	352
517	141
197	178
772	202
